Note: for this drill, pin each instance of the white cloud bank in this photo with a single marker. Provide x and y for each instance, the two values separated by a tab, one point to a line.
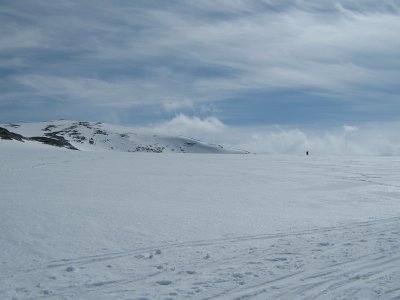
366	139
191	126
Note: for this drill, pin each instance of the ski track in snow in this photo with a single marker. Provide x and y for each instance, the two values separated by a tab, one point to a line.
298	265
353	260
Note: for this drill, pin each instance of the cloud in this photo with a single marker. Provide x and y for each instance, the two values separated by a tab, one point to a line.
190	126
157	53
92	90
366	139
348	128
176	104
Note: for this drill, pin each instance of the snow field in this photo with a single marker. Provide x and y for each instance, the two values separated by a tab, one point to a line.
112	225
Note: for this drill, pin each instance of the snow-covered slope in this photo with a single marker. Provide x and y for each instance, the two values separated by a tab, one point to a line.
90	136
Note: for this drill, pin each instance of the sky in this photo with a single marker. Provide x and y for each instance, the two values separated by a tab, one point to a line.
259	67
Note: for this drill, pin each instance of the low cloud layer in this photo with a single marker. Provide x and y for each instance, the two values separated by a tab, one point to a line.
367	139
184	125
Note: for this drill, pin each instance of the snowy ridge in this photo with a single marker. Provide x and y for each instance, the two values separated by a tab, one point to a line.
95	136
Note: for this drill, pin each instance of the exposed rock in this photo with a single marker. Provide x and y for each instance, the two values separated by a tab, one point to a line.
49	127
55	140
13	125
8	135
59	142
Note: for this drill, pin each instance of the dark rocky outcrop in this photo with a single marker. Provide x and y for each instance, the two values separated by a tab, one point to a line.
55	140
58	142
8	135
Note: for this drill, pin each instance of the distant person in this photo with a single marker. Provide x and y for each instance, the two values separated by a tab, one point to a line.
307	153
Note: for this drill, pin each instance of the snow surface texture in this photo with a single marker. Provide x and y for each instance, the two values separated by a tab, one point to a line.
90	136
114	225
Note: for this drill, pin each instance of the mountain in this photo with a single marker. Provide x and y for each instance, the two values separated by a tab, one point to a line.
96	136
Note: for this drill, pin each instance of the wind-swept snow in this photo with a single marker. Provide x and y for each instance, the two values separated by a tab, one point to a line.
114	225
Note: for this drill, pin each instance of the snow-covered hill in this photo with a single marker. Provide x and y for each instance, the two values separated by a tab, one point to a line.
91	136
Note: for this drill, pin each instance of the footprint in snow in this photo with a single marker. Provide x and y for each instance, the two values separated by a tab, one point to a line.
164	282
324	244
276	259
237	275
